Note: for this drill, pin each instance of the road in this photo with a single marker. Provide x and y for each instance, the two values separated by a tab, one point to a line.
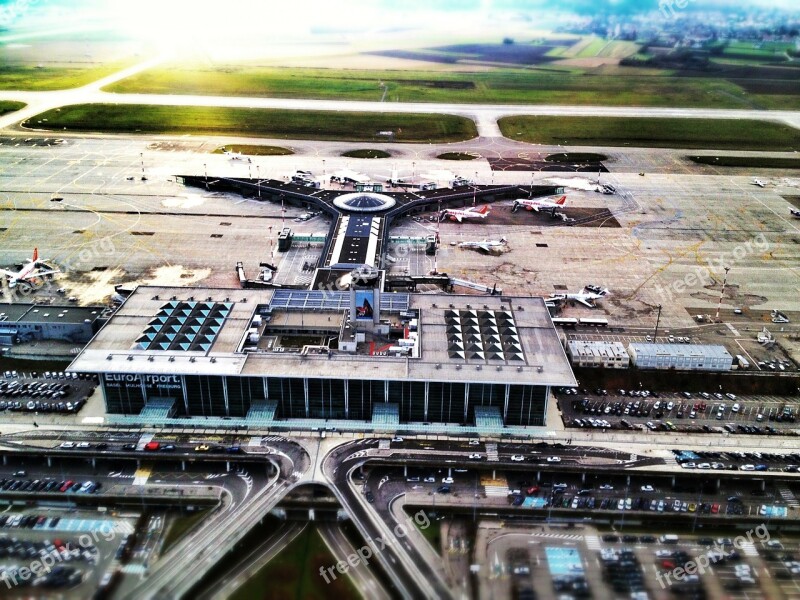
484	115
253	562
362	576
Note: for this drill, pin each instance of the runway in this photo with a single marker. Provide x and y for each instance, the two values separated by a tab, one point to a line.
484	115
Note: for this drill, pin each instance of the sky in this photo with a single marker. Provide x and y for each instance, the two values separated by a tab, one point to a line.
180	19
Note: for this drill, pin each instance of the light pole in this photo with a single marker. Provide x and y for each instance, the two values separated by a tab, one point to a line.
324	173
205	168
141	158
722	293
258	177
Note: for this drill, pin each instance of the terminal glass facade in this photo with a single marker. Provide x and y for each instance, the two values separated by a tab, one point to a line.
299	398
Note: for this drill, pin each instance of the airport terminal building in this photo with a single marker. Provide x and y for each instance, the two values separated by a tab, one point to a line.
263	357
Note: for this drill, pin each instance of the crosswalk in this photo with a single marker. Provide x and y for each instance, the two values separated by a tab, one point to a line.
134	569
748	548
593	542
572	537
491	452
142	475
789	497
496	490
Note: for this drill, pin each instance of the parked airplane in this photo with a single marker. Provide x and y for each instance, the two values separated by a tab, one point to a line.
487	246
795	213
539	205
585	297
466	214
33	269
759	183
232	155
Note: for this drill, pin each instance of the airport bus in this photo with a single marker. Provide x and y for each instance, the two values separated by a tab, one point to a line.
565	322
744	364
594	322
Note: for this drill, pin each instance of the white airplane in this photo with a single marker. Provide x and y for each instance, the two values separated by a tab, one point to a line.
795	213
468	214
34	269
759	183
349	176
487	246
539	205
232	155
584	297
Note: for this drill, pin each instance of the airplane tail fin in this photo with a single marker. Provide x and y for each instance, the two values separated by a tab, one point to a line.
484	210
561	201
35	255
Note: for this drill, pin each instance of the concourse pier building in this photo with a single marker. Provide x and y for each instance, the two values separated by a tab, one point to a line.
359	359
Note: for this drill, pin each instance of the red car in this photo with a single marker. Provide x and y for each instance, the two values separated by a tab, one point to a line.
668	564
152	446
715	508
532	490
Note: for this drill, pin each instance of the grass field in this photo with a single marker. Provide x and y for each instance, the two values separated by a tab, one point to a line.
284	124
458	156
548	83
366	153
294	574
254	150
34	78
754	162
653	133
7	106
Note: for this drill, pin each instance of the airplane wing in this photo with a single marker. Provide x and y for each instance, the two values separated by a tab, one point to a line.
533	207
585	302
459	218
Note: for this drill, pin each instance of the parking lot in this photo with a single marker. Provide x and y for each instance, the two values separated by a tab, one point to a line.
58	553
49	392
679	411
581	561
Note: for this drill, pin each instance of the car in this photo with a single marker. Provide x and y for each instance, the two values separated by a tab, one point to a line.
554	459
430	479
443	489
474	443
447	480
67	445
152	446
747	467
606	487
475	456
517	458
532	490
397	439
129	447
714	508
20	473
202	448
735	407
648	488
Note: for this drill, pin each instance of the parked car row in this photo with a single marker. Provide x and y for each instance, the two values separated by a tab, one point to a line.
43	389
49	485
51	375
43	407
58	549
